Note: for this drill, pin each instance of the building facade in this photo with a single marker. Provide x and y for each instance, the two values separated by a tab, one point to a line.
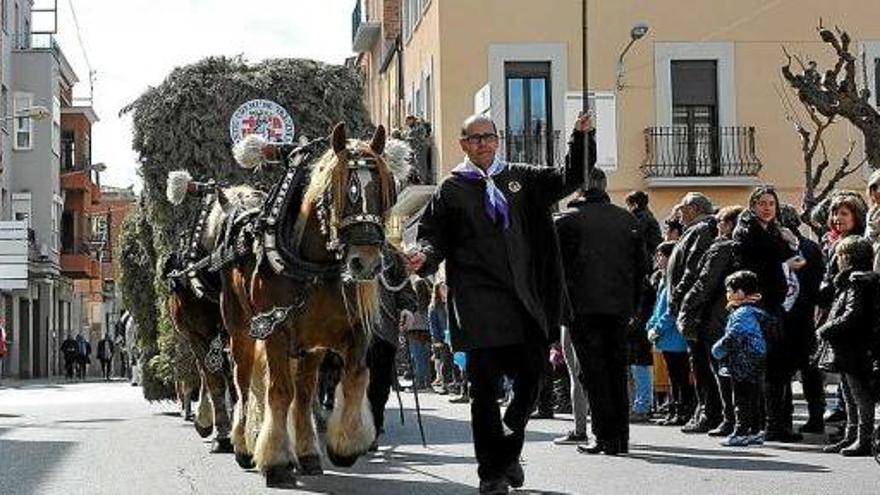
43	258
694	105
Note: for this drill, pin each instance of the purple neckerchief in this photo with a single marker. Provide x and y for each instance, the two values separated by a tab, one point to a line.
495	204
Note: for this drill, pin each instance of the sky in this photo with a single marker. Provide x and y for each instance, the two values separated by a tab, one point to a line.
134	44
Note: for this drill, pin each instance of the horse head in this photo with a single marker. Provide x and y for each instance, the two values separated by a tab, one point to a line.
352	190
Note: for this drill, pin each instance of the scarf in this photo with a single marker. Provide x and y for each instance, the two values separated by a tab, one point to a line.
495	203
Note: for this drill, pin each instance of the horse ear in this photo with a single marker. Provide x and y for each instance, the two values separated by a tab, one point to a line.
378	142
338	137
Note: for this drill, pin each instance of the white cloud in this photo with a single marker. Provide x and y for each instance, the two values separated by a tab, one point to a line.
134	44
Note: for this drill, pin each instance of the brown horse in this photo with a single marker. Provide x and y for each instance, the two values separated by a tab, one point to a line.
197	317
340	224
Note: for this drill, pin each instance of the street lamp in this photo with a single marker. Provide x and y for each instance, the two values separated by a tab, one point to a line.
638	31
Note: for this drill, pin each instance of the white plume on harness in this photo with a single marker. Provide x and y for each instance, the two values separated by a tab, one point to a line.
248	152
398	156
178	182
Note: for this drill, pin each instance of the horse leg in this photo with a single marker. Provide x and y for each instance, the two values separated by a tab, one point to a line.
203	423
217	388
350	429
272	452
305	439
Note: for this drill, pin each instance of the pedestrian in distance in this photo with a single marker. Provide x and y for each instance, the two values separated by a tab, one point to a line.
70	353
105	355
491	222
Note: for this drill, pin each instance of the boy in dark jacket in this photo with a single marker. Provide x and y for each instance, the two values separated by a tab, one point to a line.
742	351
851	330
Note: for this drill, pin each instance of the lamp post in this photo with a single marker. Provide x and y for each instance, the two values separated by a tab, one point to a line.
638	31
585	85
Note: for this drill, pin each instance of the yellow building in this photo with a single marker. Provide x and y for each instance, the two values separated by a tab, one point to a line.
695	105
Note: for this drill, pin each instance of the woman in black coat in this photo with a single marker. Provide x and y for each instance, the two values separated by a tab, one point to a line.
851	330
764	246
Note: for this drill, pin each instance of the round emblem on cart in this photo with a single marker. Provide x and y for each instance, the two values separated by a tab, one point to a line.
514	186
263	117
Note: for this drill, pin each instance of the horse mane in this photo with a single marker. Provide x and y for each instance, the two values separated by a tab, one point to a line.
240	198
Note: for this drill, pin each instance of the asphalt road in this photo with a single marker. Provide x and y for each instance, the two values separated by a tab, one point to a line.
103	438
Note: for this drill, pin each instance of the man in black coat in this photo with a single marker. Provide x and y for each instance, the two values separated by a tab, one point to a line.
605	261
696	213
637	204
491	221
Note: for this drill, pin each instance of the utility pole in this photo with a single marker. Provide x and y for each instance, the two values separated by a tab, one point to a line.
585	98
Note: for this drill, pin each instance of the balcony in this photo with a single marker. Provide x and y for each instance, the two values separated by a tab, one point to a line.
363	32
80	264
532	147
681	156
80	180
42	41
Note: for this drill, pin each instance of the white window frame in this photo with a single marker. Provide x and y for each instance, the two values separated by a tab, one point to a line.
57	210
22	124
56	125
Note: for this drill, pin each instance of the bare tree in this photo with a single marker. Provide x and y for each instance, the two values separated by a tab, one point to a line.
826	99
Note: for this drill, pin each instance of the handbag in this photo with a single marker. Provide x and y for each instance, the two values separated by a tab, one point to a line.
823	358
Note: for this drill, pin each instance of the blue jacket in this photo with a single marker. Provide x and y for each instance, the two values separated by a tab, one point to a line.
670	339
742	349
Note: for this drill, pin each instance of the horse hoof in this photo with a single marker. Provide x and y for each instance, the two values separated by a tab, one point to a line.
280	477
341	460
204	431
244	460
222	446
310	465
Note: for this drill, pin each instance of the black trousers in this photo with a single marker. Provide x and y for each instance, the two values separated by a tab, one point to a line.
68	368
600	345
105	368
380	361
725	393
708	397
747	399
679	369
496	446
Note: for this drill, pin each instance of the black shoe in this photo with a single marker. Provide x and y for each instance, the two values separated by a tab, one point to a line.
596	447
783	436
723	430
515	474
835	416
816	426
857	449
703	425
542	415
494	487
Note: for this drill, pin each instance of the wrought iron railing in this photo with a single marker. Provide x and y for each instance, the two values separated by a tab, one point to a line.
700	152
536	148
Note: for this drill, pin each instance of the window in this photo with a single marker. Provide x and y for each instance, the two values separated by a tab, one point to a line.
57	212
68	150
56	125
695	116
528	102
23	125
67	232
4	15
413	10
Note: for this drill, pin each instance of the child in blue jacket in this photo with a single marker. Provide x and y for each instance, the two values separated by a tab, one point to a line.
742	351
666	337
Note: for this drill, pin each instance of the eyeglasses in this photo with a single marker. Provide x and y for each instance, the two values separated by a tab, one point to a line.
475	139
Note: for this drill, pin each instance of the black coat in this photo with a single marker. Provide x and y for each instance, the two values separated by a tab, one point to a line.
703	313
495	275
763	251
604	256
650	229
685	259
800	324
852	325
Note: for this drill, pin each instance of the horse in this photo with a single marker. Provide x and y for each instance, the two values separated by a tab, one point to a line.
195	314
338	233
